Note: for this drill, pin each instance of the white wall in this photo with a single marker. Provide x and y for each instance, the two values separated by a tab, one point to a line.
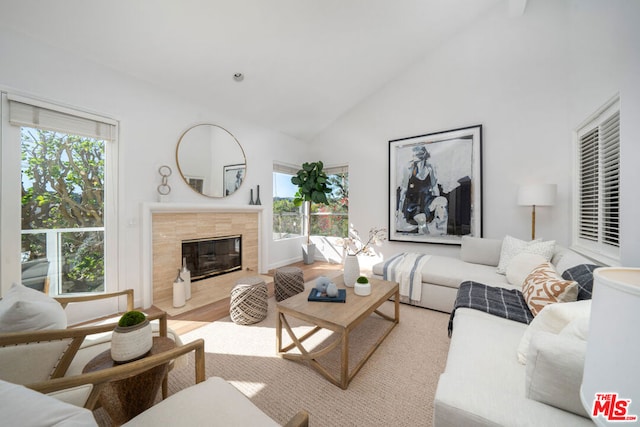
521	79
151	121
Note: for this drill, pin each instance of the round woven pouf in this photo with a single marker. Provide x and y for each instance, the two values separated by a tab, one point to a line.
287	282
249	301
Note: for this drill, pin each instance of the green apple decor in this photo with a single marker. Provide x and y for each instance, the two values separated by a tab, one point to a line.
362	286
312	187
132	338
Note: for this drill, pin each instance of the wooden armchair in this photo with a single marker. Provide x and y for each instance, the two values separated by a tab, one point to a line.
37	356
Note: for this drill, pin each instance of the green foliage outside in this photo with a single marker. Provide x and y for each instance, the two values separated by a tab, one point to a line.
63	187
131	318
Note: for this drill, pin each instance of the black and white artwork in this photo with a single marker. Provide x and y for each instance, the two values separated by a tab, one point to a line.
435	186
233	177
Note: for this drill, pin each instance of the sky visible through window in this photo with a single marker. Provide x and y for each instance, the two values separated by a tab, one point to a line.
282	186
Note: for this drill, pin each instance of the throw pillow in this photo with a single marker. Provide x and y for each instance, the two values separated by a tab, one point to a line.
544	286
520	267
512	247
25	309
553	318
583	274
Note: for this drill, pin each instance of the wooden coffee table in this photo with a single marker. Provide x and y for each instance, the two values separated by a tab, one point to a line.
126	398
341	318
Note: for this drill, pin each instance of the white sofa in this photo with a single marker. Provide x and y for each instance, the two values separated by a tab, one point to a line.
479	259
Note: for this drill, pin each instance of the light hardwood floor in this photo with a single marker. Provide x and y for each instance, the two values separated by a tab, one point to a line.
198	317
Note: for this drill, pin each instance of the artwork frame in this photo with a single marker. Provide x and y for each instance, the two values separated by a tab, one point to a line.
435	186
233	176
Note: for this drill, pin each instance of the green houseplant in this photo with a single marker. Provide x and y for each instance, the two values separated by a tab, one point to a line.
132	337
313	187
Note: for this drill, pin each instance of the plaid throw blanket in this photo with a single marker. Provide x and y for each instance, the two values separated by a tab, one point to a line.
507	303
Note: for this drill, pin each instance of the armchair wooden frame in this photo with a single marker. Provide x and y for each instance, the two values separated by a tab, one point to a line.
77	334
100	378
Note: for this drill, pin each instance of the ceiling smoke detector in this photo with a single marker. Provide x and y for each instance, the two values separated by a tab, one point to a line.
238	77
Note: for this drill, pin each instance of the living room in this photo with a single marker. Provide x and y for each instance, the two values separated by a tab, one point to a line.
530	79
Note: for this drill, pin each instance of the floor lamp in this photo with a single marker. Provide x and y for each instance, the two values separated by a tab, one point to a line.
536	195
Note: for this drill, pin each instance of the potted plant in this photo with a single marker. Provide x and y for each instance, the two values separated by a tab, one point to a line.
132	337
362	286
312	187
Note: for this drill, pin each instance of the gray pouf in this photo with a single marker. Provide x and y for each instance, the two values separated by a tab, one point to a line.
287	282
249	301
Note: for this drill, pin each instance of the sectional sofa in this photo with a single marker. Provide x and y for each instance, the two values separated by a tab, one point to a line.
502	372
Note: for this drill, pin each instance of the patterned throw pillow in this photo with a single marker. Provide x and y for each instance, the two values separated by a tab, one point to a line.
544	286
512	247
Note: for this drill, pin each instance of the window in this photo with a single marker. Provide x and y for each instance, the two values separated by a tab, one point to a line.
66	177
326	220
287	218
333	219
597	207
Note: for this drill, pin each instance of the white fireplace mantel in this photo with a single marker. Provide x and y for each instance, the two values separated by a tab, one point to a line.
146	215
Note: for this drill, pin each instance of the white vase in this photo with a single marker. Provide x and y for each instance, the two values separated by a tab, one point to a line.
351	270
186	276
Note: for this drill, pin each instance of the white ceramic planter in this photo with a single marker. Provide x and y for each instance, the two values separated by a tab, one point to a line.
131	342
362	289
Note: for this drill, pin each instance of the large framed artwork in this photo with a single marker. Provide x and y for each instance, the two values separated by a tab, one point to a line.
233	177
435	186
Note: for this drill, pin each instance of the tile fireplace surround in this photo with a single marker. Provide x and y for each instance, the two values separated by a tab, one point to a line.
166	225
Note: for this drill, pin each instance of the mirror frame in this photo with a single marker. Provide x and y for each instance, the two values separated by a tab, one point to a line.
184	179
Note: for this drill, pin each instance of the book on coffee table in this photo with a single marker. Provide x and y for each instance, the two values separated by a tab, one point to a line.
316	295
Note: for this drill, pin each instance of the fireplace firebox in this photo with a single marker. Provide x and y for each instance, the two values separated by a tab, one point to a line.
213	256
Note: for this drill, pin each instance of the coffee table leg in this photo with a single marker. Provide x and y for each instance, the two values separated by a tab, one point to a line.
344	365
278	332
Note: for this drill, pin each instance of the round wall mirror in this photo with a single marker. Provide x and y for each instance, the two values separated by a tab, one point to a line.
211	160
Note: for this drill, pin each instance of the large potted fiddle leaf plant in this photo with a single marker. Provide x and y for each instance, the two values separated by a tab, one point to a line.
312	187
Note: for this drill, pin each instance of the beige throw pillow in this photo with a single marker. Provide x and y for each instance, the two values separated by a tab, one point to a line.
520	267
544	286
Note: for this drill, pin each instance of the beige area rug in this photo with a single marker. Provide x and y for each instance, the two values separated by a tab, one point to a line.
395	387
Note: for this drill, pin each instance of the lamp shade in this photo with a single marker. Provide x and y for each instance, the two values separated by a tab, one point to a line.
537	194
610	390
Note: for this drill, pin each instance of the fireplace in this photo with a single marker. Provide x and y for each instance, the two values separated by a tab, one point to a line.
209	257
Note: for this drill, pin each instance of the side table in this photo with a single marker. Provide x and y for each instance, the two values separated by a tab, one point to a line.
126	398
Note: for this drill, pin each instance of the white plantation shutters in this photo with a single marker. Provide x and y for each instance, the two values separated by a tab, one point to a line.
598	187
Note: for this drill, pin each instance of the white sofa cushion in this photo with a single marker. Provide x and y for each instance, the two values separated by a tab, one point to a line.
480	250
210	403
554	371
521	266
512	247
25	309
553	319
483	383
544	286
20	406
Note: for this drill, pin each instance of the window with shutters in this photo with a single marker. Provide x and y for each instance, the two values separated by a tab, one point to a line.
597	202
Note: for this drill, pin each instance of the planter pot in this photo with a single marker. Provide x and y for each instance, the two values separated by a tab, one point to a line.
351	270
131	342
309	253
362	289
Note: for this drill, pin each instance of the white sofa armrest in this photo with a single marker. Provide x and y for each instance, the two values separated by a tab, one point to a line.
554	371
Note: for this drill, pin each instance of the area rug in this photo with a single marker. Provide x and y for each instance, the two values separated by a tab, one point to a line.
396	386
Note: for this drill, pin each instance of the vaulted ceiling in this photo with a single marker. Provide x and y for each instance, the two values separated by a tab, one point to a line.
305	62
